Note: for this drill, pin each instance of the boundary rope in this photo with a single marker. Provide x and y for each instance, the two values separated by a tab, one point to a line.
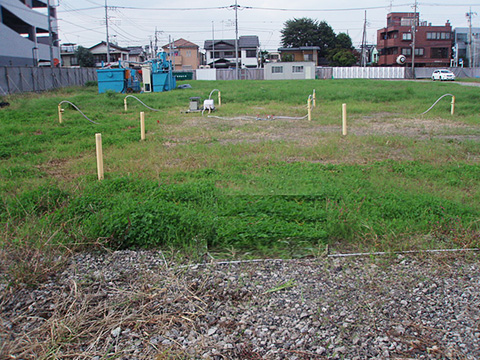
332	256
440	98
80	111
141	102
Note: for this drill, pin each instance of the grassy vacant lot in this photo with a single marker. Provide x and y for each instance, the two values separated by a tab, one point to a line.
236	186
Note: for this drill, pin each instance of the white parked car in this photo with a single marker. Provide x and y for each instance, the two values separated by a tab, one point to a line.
443	75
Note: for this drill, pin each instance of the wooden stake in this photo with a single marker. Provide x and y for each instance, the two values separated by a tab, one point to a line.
60	110
453	105
344	119
219	99
309	106
142	126
314	99
125	104
98	140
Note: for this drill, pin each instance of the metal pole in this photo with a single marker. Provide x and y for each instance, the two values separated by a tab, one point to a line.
236	40
213	44
108	40
414	31
470	38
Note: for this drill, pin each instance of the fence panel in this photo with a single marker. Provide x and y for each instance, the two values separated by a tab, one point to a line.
15	79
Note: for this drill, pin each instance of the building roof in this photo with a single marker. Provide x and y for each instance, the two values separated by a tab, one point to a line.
301	48
135	50
247	41
181	43
112	46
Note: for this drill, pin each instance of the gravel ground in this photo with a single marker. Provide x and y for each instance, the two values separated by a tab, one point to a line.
136	305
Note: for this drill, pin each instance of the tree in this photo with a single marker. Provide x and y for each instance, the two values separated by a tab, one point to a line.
308	32
84	57
344	41
342	57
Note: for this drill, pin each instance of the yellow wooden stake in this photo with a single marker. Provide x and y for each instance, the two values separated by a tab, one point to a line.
142	126
98	140
125	104
60	111
219	99
344	119
309	106
314	99
453	105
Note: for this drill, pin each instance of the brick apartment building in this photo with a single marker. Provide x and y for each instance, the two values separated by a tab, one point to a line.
433	44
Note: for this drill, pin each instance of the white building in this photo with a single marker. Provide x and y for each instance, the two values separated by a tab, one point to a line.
28	33
299	70
221	53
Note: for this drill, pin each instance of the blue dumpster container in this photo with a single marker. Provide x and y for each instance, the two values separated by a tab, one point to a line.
111	79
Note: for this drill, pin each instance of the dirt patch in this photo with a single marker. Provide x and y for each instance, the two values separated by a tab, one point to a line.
58	168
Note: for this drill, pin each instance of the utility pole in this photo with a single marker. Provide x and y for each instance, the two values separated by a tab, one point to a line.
236	40
213	44
414	32
363	62
50	33
106	25
470	42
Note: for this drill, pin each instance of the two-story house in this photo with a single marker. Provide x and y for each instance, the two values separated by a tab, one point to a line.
183	54
221	53
117	53
433	44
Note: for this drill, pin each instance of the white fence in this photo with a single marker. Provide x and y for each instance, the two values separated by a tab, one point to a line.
368	72
15	79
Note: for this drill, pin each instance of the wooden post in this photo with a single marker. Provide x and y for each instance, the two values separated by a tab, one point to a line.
344	119
98	140
219	99
309	106
142	126
125	104
453	105
60	110
314	99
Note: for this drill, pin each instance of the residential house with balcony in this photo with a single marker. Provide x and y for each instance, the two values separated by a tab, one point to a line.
117	53
183	54
28	36
433	44
221	53
300	54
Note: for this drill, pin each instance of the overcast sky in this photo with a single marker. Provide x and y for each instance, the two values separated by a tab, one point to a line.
134	22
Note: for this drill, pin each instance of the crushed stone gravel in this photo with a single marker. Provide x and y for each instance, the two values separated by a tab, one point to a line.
137	305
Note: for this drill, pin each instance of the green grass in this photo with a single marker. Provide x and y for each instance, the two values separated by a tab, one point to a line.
265	188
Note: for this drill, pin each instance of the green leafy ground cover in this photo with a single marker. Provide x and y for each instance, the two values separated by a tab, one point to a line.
280	187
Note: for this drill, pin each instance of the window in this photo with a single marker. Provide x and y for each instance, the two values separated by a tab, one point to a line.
308	57
439	53
228	54
419	51
407	21
438	36
406	51
297	69
188	53
251	53
277	69
407	36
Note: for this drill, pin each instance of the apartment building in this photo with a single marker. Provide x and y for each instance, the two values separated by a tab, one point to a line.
433	44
